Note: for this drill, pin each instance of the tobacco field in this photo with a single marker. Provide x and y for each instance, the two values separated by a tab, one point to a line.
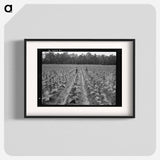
69	84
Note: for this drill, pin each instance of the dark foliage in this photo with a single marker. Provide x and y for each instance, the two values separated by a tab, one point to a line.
65	58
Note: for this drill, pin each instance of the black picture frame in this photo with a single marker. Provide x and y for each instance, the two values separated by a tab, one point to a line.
25	76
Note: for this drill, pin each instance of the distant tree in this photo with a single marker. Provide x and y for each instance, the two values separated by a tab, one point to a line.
65	58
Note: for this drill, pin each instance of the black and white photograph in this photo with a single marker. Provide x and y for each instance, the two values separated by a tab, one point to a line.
79	77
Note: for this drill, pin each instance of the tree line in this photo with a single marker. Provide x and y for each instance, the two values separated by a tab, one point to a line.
65	58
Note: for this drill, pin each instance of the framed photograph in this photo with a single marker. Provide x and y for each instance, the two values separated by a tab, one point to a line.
79	78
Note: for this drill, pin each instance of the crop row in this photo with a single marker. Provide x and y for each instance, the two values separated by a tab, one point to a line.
79	85
54	81
101	87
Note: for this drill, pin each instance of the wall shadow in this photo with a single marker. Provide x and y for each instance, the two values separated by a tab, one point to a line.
18	81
